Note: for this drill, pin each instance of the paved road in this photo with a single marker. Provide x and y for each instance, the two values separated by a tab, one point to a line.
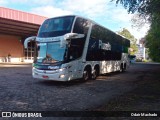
19	91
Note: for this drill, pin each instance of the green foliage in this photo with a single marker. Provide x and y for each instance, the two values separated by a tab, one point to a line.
150	10
127	34
153	41
134	48
132	39
145	7
131	5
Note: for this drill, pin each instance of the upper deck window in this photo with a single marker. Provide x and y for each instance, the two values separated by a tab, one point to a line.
56	26
81	26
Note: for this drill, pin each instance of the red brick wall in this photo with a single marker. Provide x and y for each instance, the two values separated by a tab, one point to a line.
12	45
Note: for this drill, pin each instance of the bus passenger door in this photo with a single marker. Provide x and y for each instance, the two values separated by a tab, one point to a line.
74	58
76	69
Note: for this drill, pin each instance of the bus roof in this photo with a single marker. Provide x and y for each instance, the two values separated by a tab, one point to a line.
126	39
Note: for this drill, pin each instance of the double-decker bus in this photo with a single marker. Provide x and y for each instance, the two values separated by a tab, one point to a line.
72	47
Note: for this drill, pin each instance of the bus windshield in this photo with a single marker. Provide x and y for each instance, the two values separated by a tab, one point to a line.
56	26
50	52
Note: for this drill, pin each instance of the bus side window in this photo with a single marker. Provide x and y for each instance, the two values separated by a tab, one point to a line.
81	26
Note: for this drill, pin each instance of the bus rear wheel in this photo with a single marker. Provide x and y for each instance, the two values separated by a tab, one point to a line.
124	69
94	74
121	68
85	75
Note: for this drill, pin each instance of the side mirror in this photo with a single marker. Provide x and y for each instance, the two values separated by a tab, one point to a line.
63	43
69	36
33	38
73	35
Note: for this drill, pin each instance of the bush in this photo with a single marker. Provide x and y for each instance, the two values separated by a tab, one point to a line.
139	60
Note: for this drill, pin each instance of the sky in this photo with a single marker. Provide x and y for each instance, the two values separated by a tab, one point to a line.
104	12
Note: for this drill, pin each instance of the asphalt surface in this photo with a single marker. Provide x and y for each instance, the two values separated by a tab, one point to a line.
20	92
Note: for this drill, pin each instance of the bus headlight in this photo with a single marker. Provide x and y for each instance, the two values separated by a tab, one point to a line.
62	76
62	69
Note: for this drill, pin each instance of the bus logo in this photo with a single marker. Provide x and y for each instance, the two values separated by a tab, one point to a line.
106	46
6	114
53	67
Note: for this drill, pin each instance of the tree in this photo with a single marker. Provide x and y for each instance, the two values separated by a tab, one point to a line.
124	32
148	10
145	7
153	41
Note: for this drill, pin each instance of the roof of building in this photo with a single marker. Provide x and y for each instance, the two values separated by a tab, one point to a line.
19	23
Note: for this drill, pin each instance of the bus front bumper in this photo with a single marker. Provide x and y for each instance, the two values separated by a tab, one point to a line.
55	75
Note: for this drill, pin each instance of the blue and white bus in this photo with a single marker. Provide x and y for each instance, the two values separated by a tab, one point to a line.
72	47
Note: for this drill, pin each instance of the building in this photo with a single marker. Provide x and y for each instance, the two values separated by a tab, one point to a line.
15	27
141	53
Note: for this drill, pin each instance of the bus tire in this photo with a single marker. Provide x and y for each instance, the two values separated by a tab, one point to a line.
121	68
124	68
86	75
95	73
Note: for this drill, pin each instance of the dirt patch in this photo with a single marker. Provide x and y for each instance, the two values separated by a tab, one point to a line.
145	97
